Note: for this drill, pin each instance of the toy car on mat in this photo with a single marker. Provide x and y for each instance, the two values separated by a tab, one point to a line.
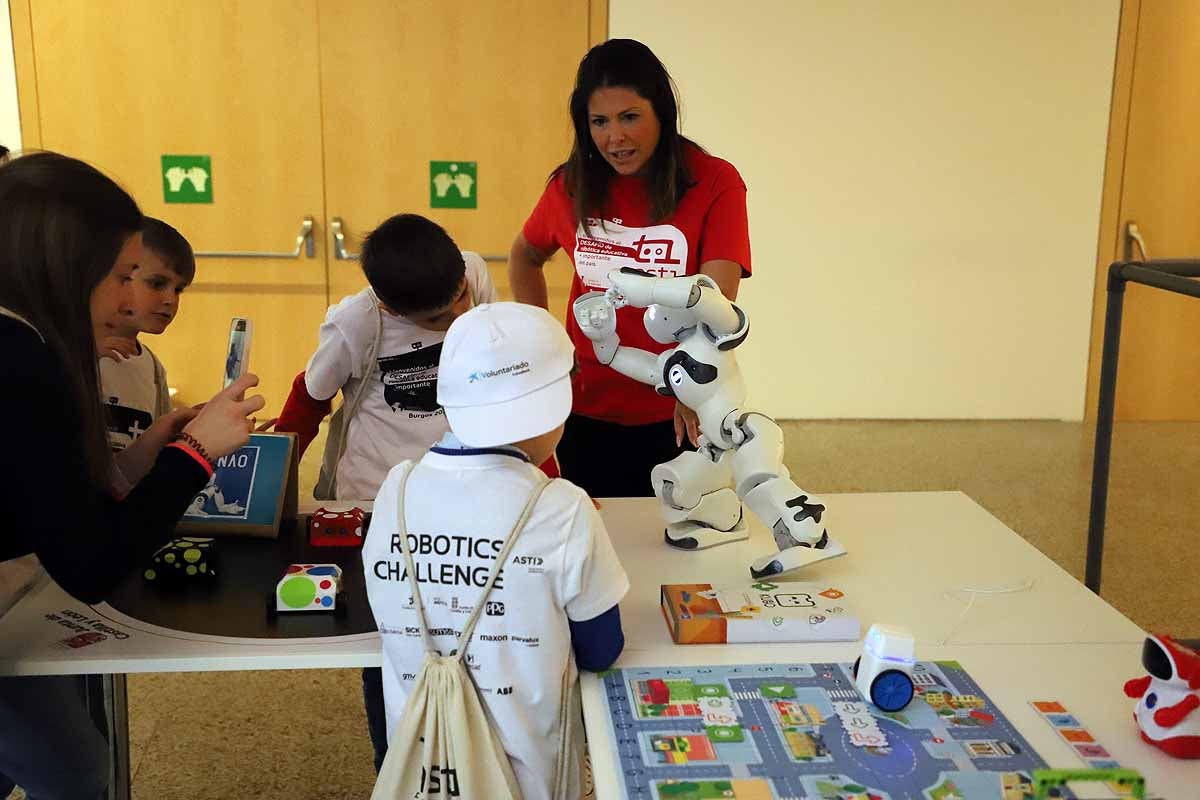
883	673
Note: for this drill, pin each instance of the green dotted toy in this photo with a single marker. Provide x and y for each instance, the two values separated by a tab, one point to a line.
184	560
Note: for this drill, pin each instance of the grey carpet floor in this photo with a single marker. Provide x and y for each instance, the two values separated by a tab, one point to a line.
302	734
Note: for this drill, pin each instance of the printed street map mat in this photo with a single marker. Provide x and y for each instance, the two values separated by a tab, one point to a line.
782	731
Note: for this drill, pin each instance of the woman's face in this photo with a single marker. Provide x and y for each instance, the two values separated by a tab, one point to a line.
113	296
624	128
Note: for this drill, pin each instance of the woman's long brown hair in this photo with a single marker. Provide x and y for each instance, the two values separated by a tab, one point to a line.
62	224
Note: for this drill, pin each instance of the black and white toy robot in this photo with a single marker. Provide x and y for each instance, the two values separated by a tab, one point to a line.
740	454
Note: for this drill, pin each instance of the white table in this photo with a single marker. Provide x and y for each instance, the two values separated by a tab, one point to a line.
905	552
1054	641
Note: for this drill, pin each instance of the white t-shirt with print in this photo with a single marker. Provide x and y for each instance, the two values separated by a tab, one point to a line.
134	391
459	509
398	417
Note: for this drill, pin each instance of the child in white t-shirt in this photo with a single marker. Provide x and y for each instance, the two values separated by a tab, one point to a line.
505	385
133	382
380	349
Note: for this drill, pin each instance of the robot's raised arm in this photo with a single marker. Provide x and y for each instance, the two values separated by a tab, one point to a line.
597	318
698	294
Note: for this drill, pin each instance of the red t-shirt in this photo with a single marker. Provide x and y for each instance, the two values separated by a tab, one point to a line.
709	224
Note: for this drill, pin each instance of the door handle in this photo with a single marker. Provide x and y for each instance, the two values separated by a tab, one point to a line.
1133	236
340	252
304	241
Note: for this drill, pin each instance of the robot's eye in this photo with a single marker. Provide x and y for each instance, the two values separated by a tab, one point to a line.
676	375
1151	700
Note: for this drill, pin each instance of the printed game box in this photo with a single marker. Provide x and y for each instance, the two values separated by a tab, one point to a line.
700	613
251	491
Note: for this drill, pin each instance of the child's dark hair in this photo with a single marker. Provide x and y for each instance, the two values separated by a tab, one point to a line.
629	64
171	247
413	264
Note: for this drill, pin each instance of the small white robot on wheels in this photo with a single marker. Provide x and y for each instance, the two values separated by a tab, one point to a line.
883	673
740	454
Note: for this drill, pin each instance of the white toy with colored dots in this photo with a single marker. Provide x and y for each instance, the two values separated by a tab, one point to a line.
308	587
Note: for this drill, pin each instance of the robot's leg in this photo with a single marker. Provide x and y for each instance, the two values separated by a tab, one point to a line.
796	521
794	517
698	501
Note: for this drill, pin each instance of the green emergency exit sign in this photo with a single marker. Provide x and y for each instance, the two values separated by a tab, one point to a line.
187	179
453	184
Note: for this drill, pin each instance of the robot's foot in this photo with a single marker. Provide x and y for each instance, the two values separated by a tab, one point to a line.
696	536
795	558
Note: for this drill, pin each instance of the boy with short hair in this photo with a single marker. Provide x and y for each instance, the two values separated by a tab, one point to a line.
505	385
133	382
380	347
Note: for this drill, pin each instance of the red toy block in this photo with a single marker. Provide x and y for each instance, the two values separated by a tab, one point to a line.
336	528
659	694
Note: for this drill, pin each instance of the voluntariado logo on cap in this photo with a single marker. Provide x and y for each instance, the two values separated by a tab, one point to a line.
520	368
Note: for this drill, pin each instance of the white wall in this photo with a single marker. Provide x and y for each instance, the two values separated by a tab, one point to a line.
10	119
925	182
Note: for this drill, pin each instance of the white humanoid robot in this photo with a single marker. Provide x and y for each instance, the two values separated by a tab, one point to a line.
740	455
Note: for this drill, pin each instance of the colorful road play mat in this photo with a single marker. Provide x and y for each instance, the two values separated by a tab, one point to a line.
782	731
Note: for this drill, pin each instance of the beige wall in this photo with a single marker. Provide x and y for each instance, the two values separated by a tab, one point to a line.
10	119
925	184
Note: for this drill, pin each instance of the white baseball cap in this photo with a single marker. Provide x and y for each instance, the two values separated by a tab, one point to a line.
505	374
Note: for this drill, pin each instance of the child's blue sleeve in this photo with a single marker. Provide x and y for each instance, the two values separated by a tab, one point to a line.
598	641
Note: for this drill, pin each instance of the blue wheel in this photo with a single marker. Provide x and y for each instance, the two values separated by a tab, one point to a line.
891	690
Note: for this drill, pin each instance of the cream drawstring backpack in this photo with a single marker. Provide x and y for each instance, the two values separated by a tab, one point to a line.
445	745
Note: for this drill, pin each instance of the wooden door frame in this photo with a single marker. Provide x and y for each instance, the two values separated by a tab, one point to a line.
597	22
1109	245
26	69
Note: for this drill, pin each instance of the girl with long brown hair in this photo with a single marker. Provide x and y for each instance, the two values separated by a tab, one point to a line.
69	247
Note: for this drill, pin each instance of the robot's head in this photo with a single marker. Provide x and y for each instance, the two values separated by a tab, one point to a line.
1169	661
668	325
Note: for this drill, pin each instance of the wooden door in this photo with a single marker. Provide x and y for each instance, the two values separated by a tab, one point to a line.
119	83
1153	180
406	83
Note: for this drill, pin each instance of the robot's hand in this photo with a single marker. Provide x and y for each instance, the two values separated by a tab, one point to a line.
634	287
596	315
597	318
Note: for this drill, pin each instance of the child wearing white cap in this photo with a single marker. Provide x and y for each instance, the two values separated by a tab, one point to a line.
504	382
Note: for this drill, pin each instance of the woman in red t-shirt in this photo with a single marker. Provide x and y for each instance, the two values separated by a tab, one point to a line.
634	192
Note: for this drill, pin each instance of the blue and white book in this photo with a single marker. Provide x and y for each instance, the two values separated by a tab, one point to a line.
251	491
